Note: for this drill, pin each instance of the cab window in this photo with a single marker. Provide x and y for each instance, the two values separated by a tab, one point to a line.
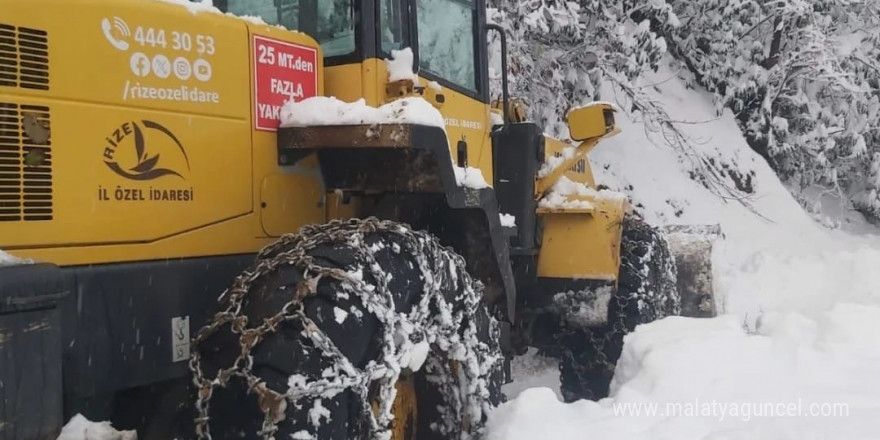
329	22
393	25
446	40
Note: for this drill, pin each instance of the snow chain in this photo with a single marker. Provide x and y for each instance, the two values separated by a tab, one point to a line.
599	339
446	327
621	324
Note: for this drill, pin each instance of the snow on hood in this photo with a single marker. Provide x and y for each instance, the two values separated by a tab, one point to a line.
199	6
194	7
323	111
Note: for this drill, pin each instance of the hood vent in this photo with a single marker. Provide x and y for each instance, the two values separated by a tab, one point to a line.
25	163
24	57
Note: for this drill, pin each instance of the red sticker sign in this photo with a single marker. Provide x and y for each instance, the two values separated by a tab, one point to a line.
282	72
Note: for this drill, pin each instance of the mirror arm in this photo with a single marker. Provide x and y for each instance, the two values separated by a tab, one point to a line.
505	97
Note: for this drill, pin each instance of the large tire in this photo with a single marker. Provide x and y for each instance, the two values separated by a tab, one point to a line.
380	296
646	291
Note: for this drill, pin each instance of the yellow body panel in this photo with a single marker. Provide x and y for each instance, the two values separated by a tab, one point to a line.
582	245
168	159
153	148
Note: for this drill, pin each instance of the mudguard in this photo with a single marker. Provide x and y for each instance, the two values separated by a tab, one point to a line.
412	163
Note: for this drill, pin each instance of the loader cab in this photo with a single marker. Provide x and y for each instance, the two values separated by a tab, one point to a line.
446	35
448	40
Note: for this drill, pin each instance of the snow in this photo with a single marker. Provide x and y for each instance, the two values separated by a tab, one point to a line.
793	378
797	335
400	66
302	435
532	370
496	119
849	43
507	220
324	111
558	197
614	106
195	7
10	260
252	19
339	315
81	428
470	177
554	162
418	355
318	412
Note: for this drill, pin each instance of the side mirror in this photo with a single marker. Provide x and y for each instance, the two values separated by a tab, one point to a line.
592	121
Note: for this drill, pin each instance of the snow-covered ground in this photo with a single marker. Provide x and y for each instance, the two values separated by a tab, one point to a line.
796	352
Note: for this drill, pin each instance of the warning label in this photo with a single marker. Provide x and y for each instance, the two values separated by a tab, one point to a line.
283	71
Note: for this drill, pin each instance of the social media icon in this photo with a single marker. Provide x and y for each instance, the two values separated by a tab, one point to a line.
202	70
182	68
161	66
140	64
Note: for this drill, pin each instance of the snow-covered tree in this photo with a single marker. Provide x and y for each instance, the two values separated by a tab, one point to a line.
552	47
561	51
802	78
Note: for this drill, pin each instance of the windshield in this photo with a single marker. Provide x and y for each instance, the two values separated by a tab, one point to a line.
446	40
329	22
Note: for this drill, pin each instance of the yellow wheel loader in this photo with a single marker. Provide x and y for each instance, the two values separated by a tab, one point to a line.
185	265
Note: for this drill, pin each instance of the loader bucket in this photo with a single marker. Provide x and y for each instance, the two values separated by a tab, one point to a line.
691	245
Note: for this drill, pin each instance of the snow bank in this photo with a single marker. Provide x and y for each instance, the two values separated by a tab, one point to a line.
81	428
793	378
322	110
